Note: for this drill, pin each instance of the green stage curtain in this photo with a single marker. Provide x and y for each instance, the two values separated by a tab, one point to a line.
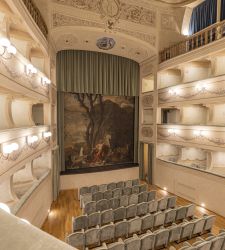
96	73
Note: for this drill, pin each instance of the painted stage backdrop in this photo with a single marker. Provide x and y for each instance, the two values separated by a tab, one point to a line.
99	130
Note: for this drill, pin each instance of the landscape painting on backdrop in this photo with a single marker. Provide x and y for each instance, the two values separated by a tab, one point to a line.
98	130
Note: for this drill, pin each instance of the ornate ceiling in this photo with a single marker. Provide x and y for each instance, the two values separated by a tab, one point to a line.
134	25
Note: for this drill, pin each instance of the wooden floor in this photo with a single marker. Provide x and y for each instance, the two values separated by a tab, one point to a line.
59	221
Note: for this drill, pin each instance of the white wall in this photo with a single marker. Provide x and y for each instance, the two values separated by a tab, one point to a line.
88	179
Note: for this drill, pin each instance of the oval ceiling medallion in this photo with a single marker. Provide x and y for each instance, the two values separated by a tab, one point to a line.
106	43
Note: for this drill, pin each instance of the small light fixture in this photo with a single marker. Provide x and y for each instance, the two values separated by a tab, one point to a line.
47	134
201	88
30	69
7	46
11	50
202	204
4	207
8	149
165	188
45	80
185	32
4	42
173	131
26	221
32	139
173	92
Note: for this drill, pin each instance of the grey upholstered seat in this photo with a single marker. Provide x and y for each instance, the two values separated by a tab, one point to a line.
97	196
133	199
90	207
102	247
102	188
171	203
159	219
181	213
133	243
151	195
142	208
147	222
117	192
186	230
143	188
107	194
111	186
107	233
162	204
198	226
102	205
92	237
190	211
143	197
94	219
93	189
114	203
128	183
134	225
175	232
120	184
161	238
152	206
83	190
127	191
131	211
124	200
217	242
188	246
80	222
170	216
135	189
119	213
107	216
84	199
147	241
209	222
135	182
116	246
76	240
121	229
206	245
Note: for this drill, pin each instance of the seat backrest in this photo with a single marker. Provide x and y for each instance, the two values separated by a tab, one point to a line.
152	206
133	199
143	197
102	205
117	192
135	189
119	213
102	188
147	222
135	182
134	225
108	194
181	213
209	222
124	201
217	243
175	233
94	219
143	188
83	190
171	202
198	226
127	191
114	203
93	189
133	243
116	246
159	219
128	183
111	186
120	184
147	241
190	210
90	207
205	245
107	233
161	237
162	204
131	211
92	236
80	222
170	216
107	216
121	229
85	198
142	208
76	240
97	196
151	195
187	229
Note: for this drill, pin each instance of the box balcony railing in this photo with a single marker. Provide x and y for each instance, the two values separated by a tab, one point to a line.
206	36
36	15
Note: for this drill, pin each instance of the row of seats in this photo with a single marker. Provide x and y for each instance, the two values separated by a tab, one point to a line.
160	238
109	194
212	242
109	186
141	209
122	201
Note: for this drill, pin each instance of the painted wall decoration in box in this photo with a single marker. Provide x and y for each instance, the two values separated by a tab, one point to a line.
99	130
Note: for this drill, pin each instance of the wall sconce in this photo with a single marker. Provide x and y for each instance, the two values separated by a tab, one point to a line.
45	80
8	149
173	91
7	47
173	131
47	134
30	69
32	139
